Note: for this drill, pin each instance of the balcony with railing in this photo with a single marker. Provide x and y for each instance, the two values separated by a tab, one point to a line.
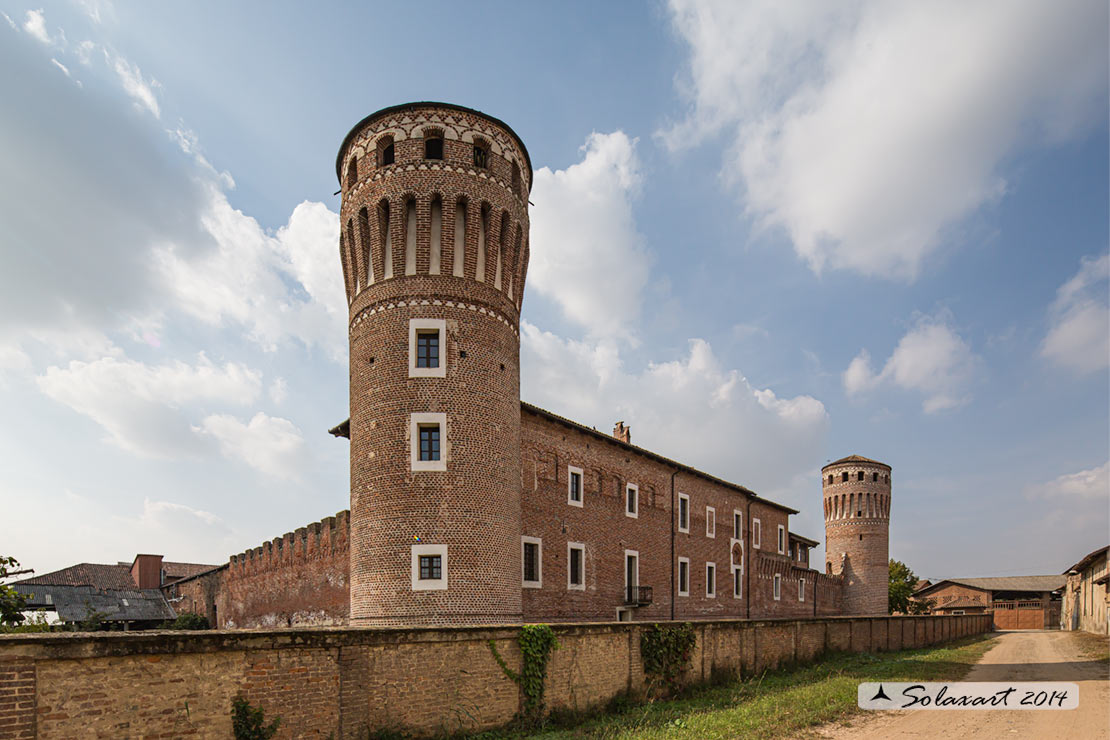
637	596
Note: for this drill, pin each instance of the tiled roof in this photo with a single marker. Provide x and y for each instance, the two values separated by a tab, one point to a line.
1004	583
76	603
97	575
1082	564
855	458
103	576
961	604
804	540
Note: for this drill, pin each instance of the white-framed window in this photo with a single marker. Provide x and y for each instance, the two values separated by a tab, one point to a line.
574	486
710	522
632	500
778	586
683	513
801	589
427	348
576	566
531	561
737	524
684	576
428	441
782	540
957	611
711	580
429	567
756	531
631	575
737	582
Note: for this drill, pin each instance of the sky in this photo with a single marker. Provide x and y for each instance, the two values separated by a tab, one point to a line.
765	235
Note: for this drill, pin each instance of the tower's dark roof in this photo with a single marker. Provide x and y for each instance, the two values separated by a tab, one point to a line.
856	458
422	104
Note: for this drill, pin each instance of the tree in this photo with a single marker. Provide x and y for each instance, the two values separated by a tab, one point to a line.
902	582
12	602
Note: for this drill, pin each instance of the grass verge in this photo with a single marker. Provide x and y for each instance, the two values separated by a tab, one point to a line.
777	704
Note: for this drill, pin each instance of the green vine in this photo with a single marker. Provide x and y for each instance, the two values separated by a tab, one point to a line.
666	652
536	643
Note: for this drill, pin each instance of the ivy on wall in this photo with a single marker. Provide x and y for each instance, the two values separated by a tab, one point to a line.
536	641
666	652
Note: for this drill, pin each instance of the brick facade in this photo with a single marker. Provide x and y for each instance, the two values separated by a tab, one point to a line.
352	682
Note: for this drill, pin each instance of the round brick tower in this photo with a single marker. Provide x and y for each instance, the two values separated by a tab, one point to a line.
856	496
434	250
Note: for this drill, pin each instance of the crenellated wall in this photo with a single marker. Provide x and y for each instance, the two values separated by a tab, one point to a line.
352	682
299	578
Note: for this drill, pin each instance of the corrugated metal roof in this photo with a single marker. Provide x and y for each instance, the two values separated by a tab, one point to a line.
77	603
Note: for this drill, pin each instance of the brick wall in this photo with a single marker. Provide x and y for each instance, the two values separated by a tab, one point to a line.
344	682
297	579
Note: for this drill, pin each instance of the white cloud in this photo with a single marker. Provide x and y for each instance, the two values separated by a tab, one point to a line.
1087	484
869	130
9	19
59	65
931	359
145	409
97	10
585	252
281	286
1079	338
141	91
279	390
84	52
269	444
691	409
35	25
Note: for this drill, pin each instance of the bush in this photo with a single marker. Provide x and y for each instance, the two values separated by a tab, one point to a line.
249	723
188	621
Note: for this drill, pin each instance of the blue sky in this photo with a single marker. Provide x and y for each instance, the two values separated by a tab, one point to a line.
766	235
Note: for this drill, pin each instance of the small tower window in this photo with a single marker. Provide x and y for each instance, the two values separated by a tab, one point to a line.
352	172
433	147
843	477
481	155
516	179
385	151
859	475
431	567
427	349
428	433
429	443
874	477
886	479
830	479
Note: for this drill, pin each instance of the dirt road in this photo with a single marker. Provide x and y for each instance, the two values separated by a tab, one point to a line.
1018	656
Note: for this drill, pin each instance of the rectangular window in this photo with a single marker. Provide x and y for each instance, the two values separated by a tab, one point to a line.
737	524
801	589
631	576
710	522
427	349
574	486
481	157
632	500
756	527
427	342
576	566
532	562
684	576
683	513
737	583
782	540
429	567
433	148
778	587
711	580
427	441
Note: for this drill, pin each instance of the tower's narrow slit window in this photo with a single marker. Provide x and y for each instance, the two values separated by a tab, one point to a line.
436	255
385	151
574	486
460	239
576	566
481	155
352	172
531	554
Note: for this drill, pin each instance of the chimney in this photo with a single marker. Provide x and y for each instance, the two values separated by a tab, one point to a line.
623	433
146	571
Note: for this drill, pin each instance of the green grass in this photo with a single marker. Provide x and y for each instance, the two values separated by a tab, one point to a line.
777	704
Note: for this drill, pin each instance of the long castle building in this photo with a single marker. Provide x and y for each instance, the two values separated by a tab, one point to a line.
469	506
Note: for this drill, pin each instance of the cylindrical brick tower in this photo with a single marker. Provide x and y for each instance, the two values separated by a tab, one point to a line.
434	250
856	494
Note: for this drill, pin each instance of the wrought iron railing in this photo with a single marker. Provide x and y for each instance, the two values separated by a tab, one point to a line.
637	596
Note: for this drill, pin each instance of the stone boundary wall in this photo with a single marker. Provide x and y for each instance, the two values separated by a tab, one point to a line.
342	682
